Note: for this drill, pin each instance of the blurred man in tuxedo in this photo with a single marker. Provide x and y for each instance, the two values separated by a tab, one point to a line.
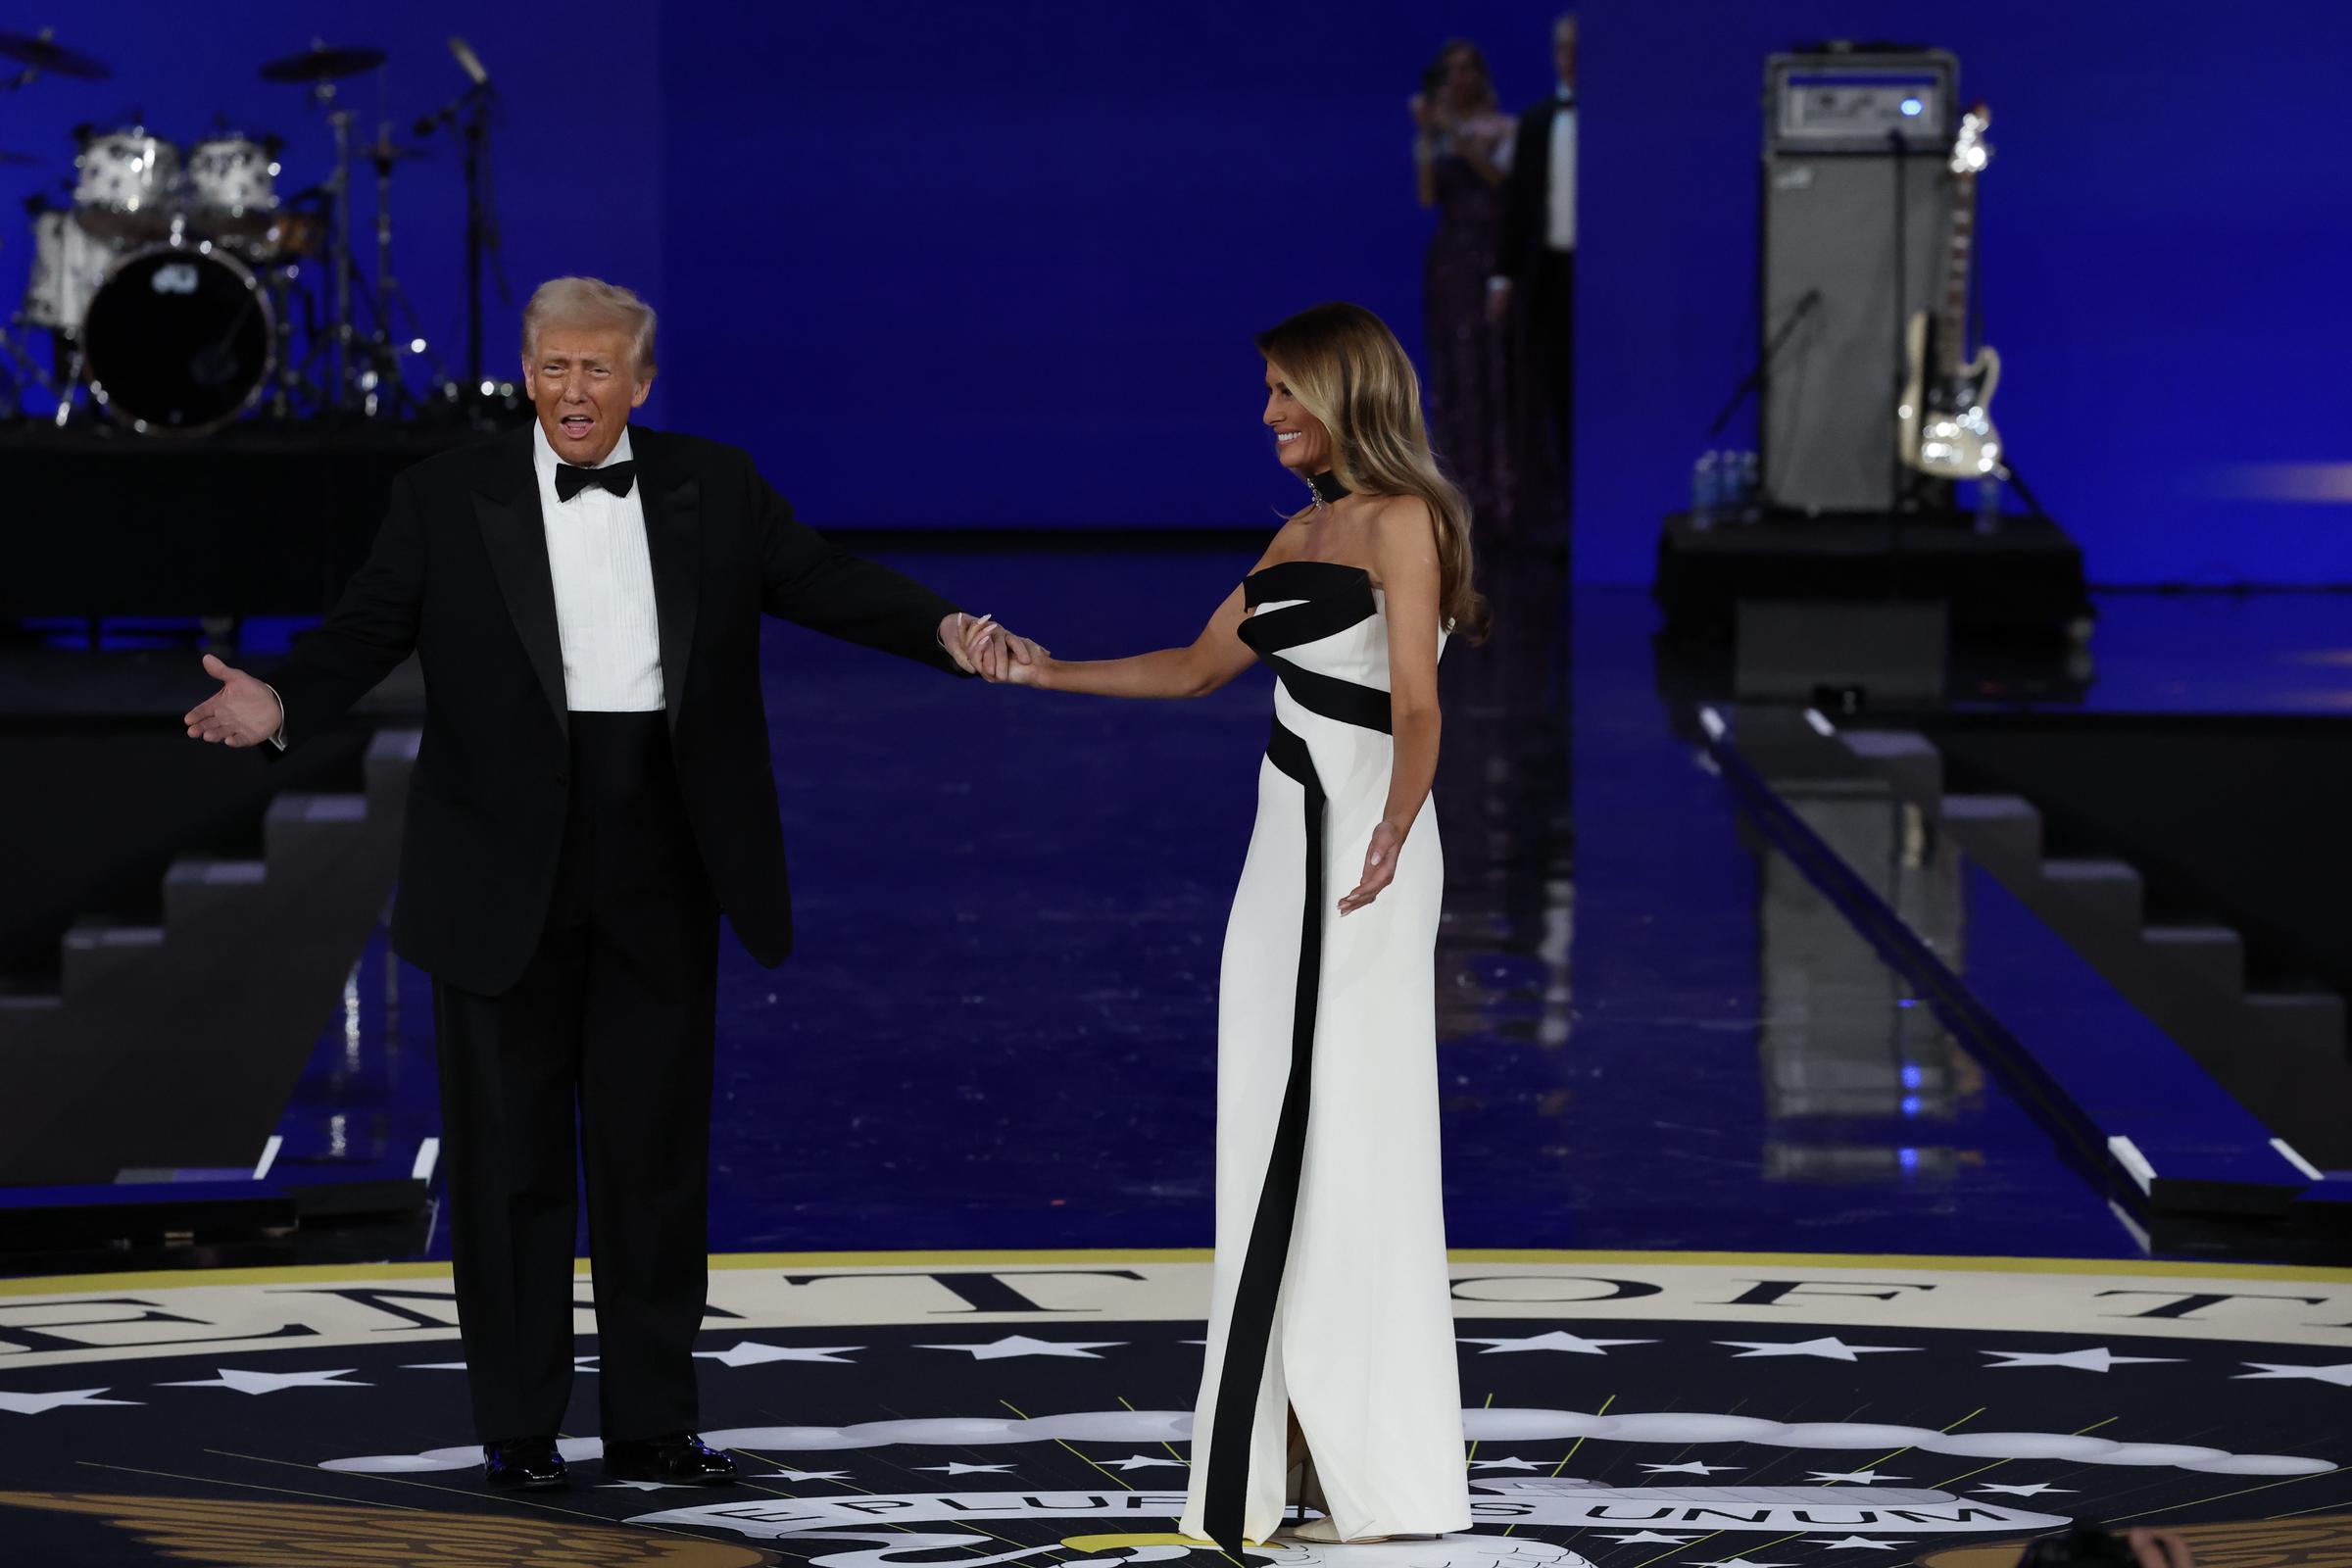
592	791
1533	276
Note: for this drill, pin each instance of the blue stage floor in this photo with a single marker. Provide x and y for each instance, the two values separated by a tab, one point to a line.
997	1030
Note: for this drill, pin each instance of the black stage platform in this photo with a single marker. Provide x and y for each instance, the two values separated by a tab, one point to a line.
255	522
2022	580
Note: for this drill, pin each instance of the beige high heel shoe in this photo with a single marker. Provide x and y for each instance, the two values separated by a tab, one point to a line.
1301	1486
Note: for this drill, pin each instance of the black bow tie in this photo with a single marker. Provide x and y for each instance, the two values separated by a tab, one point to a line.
616	477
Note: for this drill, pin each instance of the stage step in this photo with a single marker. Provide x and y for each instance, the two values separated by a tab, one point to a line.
200	890
2282	1051
2104	890
1910	761
2214	955
2004	831
212	1011
98	954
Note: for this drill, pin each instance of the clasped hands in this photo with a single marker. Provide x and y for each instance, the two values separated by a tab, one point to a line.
983	648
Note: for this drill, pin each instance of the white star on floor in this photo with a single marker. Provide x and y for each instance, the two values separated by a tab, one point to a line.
1651	1538
2339	1375
803	1475
1138	1461
579	1363
2096	1359
958	1468
270	1382
646	1485
1742	1562
750	1352
1860	1478
1021	1345
1504	1464
35	1403
1829	1347
1556	1340
1859	1544
1694	1468
2033	1490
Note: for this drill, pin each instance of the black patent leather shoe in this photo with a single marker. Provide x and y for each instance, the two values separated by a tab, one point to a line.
680	1459
525	1464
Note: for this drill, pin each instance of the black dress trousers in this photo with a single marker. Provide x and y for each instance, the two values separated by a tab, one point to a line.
609	1031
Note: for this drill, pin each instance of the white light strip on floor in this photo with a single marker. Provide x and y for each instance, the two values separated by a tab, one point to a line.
1821	726
2288	1153
269	1157
2127	1153
429	1154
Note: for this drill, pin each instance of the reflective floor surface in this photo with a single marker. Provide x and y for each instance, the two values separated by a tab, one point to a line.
999	1027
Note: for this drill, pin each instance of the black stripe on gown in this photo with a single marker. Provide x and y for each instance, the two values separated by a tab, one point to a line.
1345	601
1332	598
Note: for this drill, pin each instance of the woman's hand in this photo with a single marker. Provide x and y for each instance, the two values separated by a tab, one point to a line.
1002	658
1380	869
1423	115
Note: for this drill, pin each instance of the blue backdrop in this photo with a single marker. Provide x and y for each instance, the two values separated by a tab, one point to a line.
940	265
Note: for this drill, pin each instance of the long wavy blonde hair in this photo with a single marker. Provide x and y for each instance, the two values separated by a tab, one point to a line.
1346	368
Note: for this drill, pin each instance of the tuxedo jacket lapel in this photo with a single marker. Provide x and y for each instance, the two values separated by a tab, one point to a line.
674	544
514	533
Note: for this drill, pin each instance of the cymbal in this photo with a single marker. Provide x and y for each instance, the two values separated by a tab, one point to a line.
323	64
38	51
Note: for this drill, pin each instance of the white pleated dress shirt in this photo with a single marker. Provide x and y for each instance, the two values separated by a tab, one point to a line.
1559	228
604	575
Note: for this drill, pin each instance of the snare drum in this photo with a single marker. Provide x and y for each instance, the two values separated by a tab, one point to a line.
232	187
69	262
179	340
124	184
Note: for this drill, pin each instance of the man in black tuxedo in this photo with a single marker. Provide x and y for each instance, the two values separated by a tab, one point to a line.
592	793
1535	258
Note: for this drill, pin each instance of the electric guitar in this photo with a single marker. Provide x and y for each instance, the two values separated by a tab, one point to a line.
1942	422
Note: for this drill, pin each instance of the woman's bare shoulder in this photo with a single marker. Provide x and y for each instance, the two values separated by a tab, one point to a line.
1401	523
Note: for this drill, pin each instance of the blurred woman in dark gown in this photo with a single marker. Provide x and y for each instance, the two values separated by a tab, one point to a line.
1461	154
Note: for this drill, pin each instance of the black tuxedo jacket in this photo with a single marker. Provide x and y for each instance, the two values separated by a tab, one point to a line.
1527	197
459	576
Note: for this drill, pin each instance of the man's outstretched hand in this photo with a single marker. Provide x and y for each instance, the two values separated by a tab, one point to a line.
242	713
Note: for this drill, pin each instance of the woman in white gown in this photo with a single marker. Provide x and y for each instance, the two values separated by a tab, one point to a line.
1330	1377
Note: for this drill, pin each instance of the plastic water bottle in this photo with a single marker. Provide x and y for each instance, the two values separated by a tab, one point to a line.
1705	486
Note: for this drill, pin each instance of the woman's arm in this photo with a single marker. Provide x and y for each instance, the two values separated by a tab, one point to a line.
1212	658
1486	150
1404	557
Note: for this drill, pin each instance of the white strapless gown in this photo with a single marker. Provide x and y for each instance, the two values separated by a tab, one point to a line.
1330	1291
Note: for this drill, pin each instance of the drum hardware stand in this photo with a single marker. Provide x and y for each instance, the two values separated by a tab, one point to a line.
390	303
340	243
22	371
476	103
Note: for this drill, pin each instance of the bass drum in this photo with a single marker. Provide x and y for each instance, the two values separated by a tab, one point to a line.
178	341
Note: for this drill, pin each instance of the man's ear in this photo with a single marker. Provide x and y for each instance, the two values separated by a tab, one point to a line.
637	400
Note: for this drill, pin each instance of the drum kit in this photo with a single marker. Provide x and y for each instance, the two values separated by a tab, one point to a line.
170	281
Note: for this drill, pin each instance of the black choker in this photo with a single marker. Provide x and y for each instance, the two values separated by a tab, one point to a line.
1326	486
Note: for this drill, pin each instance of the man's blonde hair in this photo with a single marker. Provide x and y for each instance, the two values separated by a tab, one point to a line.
590	301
